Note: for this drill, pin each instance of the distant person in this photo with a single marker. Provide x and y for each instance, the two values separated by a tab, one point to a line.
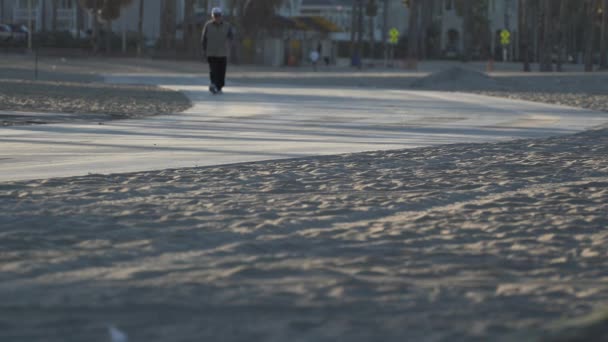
314	59
215	39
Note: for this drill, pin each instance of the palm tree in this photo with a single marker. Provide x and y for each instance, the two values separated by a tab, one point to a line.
591	14
93	6
188	27
467	29
254	17
425	35
547	36
604	37
524	30
563	24
353	32
412	36
107	10
255	14
385	30
54	6
140	29
372	11
79	21
43	15
360	29
111	11
168	24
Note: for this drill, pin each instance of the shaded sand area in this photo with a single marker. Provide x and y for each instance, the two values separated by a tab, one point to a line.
39	102
72	91
458	242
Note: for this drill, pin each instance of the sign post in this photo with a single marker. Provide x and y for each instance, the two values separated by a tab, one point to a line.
505	41
393	39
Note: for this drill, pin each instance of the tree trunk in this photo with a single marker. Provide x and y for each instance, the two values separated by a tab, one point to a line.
563	27
95	17
54	16
534	27
168	24
30	26
590	32
412	35
360	31
604	37
189	27
372	38
353	32
546	62
43	15
467	33
140	29
108	36
385	30
426	14
525	33
78	21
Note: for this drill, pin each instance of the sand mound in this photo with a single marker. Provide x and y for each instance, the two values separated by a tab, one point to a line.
458	79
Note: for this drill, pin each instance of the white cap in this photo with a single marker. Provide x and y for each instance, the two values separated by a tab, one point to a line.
216	10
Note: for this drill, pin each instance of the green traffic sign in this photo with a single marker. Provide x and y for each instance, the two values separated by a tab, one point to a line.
393	35
505	37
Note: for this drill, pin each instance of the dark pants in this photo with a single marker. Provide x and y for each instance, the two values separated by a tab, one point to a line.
217	71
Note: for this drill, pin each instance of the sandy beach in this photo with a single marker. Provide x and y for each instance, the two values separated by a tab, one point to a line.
459	242
465	242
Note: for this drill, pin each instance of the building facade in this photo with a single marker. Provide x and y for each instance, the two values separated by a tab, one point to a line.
65	17
446	37
501	15
340	12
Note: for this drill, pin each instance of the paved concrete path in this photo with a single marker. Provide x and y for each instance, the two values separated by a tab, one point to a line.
252	123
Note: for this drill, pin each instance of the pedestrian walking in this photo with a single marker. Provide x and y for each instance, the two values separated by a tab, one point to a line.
314	59
216	37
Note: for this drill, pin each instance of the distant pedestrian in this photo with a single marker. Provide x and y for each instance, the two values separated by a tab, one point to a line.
314	59
215	39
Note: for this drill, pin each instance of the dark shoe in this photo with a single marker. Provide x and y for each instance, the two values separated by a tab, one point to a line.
213	89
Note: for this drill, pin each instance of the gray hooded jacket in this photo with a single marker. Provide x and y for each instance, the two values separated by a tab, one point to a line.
215	38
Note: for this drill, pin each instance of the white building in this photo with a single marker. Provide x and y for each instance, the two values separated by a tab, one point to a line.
340	13
17	11
502	14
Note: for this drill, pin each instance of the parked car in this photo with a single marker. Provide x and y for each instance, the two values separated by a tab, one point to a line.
6	33
19	33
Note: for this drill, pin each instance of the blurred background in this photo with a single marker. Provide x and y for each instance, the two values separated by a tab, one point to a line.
345	32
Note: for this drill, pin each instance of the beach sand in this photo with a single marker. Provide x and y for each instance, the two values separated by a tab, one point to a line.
458	242
476	242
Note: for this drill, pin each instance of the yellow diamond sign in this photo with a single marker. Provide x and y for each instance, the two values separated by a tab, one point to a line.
505	37
393	35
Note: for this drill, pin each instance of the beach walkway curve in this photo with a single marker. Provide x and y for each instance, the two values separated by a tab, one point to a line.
265	122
